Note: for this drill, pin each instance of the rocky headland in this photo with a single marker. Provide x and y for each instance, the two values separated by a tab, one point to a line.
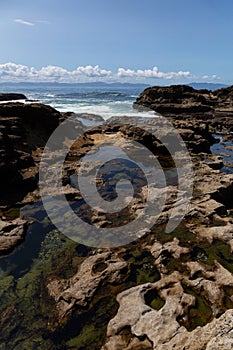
165	290
182	102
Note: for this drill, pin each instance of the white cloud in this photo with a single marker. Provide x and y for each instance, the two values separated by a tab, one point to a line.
12	72
90	71
210	77
52	72
151	73
22	21
30	23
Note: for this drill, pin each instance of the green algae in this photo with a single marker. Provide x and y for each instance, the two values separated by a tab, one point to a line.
26	309
184	236
88	336
227	300
200	250
35	343
91	335
6	287
34	313
219	251
12	213
87	328
34	322
142	268
198	315
153	300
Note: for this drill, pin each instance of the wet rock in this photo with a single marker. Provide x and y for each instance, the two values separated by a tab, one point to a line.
11	234
95	271
160	326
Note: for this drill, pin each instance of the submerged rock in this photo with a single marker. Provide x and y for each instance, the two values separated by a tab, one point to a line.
97	270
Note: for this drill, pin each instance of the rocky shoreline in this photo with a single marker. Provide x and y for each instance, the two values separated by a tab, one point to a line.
164	291
182	102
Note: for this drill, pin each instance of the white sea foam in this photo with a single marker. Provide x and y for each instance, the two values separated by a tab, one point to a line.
105	101
106	110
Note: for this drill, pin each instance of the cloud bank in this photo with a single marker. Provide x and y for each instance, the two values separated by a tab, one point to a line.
12	72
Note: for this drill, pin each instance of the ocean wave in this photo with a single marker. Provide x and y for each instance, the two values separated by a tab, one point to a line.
104	110
94	95
105	101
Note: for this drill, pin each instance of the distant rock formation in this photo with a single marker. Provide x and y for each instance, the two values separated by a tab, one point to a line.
182	102
182	99
11	97
176	99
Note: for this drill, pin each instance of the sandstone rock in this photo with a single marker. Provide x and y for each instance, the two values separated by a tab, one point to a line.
11	234
160	326
96	270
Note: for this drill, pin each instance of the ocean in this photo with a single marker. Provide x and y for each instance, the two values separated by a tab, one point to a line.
102	99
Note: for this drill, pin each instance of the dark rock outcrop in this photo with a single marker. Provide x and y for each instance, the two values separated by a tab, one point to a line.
224	98
177	99
183	99
24	129
11	97
215	108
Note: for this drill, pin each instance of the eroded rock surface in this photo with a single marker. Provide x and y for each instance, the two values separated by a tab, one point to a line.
11	234
192	300
174	290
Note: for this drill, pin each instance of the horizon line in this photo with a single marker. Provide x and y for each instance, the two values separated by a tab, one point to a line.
112	83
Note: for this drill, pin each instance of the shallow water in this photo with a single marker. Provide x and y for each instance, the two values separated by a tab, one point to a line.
220	149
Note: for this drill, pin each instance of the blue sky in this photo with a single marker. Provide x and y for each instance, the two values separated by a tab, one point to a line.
86	40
